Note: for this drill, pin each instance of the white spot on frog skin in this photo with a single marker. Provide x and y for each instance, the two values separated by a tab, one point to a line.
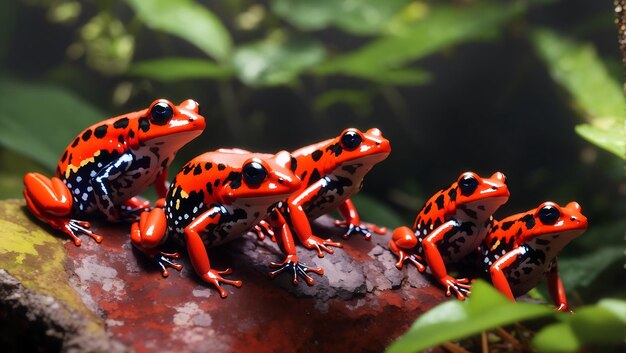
496	257
99	165
186	216
69	185
77	191
79	179
85	196
89	189
503	251
417	233
486	259
195	209
92	173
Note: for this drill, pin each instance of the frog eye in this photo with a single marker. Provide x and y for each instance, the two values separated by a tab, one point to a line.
468	184
351	140
161	113
549	214
254	173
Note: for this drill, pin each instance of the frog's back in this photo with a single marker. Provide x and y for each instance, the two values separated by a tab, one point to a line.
100	143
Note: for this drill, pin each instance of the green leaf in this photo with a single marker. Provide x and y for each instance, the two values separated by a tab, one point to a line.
177	69
399	77
442	27
41	131
581	271
611	139
599	98
356	17
360	101
374	211
276	60
188	20
556	338
603	246
602	324
452	320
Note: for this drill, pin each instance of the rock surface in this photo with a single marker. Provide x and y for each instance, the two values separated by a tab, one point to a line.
107	297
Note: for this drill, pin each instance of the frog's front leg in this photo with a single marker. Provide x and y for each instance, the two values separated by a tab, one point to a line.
198	254
51	201
556	289
147	234
496	271
300	221
287	245
353	221
402	243
434	259
102	185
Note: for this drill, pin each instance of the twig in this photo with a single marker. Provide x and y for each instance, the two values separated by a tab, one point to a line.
454	348
483	342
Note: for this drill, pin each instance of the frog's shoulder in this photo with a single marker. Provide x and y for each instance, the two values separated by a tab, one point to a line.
434	210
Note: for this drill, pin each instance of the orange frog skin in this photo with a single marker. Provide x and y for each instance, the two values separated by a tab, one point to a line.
111	162
331	171
521	250
451	225
216	197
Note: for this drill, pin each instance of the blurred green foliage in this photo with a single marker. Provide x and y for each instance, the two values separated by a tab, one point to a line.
599	328
483	85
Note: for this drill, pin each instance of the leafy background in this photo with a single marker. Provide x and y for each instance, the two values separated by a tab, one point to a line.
529	88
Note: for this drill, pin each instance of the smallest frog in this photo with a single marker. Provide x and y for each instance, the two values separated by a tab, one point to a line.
521	250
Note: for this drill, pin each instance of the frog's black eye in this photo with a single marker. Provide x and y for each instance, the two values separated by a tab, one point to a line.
351	140
254	173
161	113
549	214
468	184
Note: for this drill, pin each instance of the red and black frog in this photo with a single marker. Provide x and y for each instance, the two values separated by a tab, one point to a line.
216	197
451	225
108	164
520	250
331	171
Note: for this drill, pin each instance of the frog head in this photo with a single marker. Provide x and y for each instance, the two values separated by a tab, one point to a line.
482	196
168	125
551	226
353	148
260	179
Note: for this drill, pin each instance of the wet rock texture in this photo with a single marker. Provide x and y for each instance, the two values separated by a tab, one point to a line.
360	304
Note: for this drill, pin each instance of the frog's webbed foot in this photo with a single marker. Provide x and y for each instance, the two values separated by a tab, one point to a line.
292	265
412	258
363	229
74	228
264	229
320	244
460	286
164	260
214	277
564	309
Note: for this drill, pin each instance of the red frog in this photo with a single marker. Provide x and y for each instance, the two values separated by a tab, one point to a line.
109	163
451	225
331	171
521	250
216	197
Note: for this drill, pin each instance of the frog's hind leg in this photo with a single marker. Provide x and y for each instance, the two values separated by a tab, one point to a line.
51	201
147	234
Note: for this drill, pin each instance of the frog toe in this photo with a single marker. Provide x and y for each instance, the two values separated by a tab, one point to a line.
296	268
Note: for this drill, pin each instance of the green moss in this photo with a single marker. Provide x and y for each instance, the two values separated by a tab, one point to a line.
35	257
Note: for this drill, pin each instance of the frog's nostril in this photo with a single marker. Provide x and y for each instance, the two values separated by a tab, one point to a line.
281	180
573	218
